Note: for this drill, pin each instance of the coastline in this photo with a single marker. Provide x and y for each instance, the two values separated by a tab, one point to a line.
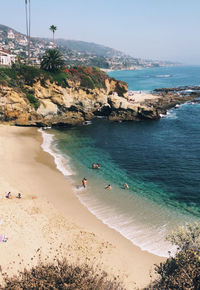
55	215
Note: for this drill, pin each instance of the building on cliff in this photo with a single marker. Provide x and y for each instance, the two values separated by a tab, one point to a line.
6	58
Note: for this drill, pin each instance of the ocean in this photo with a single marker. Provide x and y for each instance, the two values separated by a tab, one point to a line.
159	159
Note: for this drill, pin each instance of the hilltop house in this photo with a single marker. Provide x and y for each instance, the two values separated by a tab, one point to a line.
6	58
11	35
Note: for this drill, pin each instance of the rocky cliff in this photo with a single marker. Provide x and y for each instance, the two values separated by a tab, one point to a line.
30	97
44	103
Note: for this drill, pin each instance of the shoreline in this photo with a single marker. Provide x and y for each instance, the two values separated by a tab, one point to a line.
27	168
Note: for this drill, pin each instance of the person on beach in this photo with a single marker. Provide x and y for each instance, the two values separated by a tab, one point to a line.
126	186
108	187
19	195
9	195
84	182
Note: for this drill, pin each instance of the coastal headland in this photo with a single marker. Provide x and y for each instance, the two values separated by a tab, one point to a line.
49	222
35	98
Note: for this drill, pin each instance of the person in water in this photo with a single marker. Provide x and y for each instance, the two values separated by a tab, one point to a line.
98	166
126	186
108	187
84	182
93	165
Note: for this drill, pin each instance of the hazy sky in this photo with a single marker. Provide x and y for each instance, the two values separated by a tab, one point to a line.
157	29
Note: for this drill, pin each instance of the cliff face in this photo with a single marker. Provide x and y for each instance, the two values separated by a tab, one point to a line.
70	105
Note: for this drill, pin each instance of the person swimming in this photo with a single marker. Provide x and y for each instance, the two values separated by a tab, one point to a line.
126	186
98	166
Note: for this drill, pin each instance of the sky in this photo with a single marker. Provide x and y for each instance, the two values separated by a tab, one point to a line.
151	29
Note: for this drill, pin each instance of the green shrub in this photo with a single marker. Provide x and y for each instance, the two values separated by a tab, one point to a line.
33	101
183	270
87	82
29	74
60	78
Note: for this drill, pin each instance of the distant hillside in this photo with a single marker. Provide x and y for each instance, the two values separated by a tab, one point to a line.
89	48
74	52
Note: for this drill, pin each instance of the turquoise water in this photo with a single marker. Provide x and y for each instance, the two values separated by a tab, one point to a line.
158	159
164	77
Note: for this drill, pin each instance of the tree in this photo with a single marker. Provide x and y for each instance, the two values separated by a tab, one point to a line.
28	24
52	60
53	28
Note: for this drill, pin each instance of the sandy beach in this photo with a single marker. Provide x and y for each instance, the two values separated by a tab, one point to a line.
50	222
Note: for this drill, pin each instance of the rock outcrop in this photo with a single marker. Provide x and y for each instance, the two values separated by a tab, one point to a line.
75	104
68	106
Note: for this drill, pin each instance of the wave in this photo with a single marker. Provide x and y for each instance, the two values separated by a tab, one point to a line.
163	76
147	237
60	161
171	114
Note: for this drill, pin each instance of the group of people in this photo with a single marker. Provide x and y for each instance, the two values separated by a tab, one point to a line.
9	195
97	166
125	186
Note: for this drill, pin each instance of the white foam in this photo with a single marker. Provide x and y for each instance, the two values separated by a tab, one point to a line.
148	237
163	76
60	161
171	114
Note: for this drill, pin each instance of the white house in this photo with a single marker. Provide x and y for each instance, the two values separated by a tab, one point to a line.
11	34
6	58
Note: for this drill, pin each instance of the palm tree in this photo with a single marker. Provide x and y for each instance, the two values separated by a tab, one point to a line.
28	24
53	28
52	60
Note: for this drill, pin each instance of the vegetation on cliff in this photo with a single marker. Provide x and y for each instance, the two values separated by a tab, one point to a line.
181	271
20	75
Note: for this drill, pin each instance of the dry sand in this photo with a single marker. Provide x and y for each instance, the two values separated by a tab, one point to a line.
49	221
142	97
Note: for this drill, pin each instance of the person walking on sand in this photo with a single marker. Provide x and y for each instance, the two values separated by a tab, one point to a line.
84	182
108	187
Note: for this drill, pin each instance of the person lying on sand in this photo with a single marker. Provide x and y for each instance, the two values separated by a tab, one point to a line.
9	195
84	182
108	187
